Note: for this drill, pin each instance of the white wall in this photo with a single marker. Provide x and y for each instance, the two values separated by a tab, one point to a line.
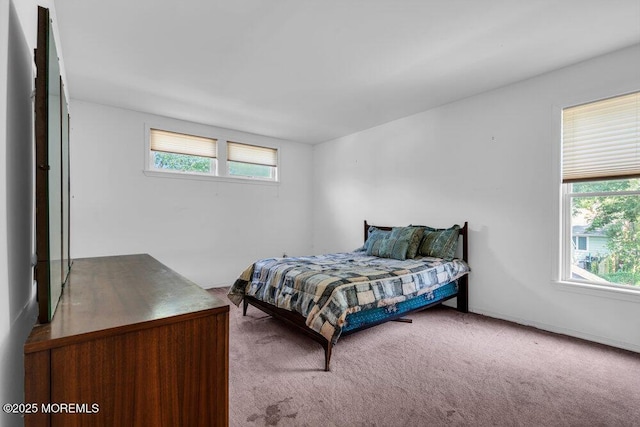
492	160
208	231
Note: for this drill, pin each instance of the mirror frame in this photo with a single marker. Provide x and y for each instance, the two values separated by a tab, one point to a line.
46	203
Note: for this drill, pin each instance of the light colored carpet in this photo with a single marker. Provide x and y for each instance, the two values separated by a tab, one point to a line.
447	368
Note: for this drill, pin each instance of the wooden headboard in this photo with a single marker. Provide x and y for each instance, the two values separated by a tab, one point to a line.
463	282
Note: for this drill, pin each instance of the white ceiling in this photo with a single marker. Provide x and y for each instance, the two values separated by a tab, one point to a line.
312	71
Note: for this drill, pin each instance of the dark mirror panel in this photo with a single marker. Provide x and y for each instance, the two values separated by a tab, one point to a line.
52	173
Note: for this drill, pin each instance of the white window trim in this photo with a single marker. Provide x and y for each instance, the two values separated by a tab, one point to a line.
619	292
562	232
222	173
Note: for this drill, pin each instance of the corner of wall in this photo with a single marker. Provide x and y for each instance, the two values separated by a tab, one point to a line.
18	307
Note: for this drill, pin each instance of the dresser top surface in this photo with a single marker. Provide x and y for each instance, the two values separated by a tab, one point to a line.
118	293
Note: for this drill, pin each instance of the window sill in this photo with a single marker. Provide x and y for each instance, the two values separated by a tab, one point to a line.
603	291
203	177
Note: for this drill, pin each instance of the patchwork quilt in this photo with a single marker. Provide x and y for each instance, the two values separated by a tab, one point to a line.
326	288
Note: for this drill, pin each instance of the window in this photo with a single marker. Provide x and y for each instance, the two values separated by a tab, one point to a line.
580	242
251	161
178	152
601	188
181	155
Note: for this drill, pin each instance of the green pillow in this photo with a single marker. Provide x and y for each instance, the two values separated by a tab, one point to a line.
397	244
412	234
375	234
440	243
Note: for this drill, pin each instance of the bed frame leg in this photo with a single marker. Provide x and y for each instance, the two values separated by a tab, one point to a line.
327	355
245	304
463	294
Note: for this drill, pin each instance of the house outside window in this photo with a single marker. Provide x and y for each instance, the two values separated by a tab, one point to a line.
579	242
601	192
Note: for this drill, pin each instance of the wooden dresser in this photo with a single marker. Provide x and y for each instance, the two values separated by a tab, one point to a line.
132	343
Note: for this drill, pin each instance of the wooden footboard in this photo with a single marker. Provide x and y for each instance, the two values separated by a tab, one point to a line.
297	321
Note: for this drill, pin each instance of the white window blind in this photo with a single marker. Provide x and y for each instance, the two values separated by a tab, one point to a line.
601	140
253	154
178	143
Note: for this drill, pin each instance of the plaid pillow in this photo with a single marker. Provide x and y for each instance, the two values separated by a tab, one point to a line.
440	243
401	243
412	234
375	234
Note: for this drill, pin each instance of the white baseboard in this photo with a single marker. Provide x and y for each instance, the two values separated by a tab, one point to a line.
26	319
559	330
219	285
11	358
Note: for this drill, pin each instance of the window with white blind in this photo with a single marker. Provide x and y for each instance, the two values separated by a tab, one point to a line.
252	161
178	152
184	155
601	192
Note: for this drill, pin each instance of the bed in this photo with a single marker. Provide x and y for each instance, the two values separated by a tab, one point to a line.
399	270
